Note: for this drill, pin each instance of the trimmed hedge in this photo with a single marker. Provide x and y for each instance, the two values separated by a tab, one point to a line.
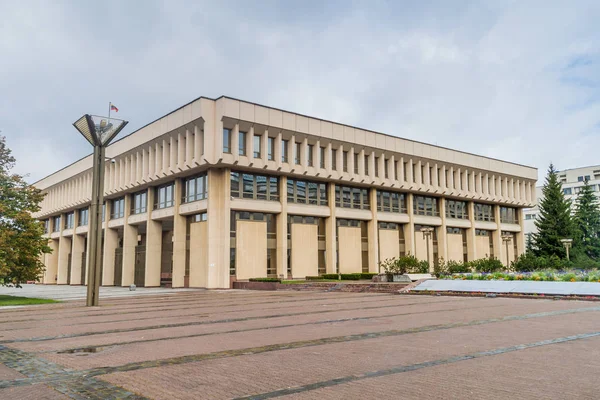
367	275
330	276
350	277
315	278
265	280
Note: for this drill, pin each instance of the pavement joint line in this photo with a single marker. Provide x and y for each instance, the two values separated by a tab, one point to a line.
94	372
204	313
183	324
63	380
84	312
331	321
413	367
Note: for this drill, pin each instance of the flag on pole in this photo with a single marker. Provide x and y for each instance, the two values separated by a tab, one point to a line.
113	108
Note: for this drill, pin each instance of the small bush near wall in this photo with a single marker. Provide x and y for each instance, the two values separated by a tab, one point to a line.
404	265
330	276
316	278
350	277
264	280
486	265
367	275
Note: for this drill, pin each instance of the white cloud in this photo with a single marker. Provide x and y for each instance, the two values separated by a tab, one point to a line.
516	81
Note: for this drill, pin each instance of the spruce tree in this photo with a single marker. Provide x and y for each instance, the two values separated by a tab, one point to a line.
554	222
587	222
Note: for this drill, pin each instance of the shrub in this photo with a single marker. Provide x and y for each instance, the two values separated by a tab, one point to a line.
330	276
367	275
314	278
404	264
264	280
350	277
486	265
450	267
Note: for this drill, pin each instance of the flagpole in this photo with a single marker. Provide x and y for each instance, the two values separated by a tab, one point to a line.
109	107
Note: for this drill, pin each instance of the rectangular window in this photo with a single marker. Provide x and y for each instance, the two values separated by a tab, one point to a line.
271	149
297	157
356	163
586	178
163	197
83	216
309	155
385	169
284	151
226	140
255	187
508	215
242	143
334	159
484	212
345	161
257	144
366	164
568	191
305	192
580	179
322	157
457	209
391	201
118	208
425	205
376	167
69	220
195	188
352	197
56	224
140	202
46	226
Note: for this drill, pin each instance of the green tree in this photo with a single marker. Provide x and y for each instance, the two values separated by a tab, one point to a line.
554	222
587	222
21	236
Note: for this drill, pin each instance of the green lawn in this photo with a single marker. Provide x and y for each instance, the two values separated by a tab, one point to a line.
6	300
299	281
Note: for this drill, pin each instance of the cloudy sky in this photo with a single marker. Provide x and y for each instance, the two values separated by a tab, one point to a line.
515	80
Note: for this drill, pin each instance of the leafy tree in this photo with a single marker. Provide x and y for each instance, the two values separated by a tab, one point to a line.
554	222
21	236
587	222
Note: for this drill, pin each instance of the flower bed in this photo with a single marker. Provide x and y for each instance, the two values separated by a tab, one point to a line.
544	276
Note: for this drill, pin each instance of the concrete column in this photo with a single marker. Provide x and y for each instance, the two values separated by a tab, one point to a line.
471	238
409	229
77	249
130	241
330	232
111	242
497	236
219	216
179	238
409	176
277	150
351	162
372	231
442	234
51	262
282	237
153	245
400	171
64	248
361	164
235	138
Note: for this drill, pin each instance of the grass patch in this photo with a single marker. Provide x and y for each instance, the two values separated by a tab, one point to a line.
6	300
301	281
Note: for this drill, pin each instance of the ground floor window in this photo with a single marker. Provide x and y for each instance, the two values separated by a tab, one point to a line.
364	239
300	219
271	239
393	226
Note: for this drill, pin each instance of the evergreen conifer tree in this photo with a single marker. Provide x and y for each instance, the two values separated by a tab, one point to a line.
587	222
554	222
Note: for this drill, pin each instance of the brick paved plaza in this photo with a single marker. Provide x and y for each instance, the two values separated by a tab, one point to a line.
301	345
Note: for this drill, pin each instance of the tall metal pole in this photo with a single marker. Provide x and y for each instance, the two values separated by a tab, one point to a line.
567	246
507	260
95	227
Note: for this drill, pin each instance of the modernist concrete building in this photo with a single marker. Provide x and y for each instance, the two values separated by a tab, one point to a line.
223	189
572	180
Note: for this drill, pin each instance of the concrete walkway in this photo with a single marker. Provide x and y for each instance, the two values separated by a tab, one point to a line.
66	292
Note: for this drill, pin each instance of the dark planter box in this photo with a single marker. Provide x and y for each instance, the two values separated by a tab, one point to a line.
255	285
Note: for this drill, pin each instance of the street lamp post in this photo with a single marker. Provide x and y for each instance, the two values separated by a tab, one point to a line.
567	243
99	131
427	231
507	238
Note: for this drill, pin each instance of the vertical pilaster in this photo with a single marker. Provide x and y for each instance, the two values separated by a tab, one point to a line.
64	248
179	238
372	231
442	234
50	274
499	251
409	229
130	241
471	238
282	234
77	249
111	242
219	216
330	230
153	245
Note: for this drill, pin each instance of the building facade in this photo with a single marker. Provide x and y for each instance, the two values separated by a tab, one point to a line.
222	190
572	181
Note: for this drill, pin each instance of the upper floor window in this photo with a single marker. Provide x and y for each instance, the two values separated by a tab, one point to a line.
529	216
457	209
425	205
385	169
334	159
271	149
356	163
69	220
257	187
56	224
257	144
118	208
391	201
297	158
377	166
163	197
284	151
508	215
309	154
140	202
366	165
84	214
484	212
46	226
226	140
242	143
305	192
568	191
322	157
352	197
345	161
195	188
